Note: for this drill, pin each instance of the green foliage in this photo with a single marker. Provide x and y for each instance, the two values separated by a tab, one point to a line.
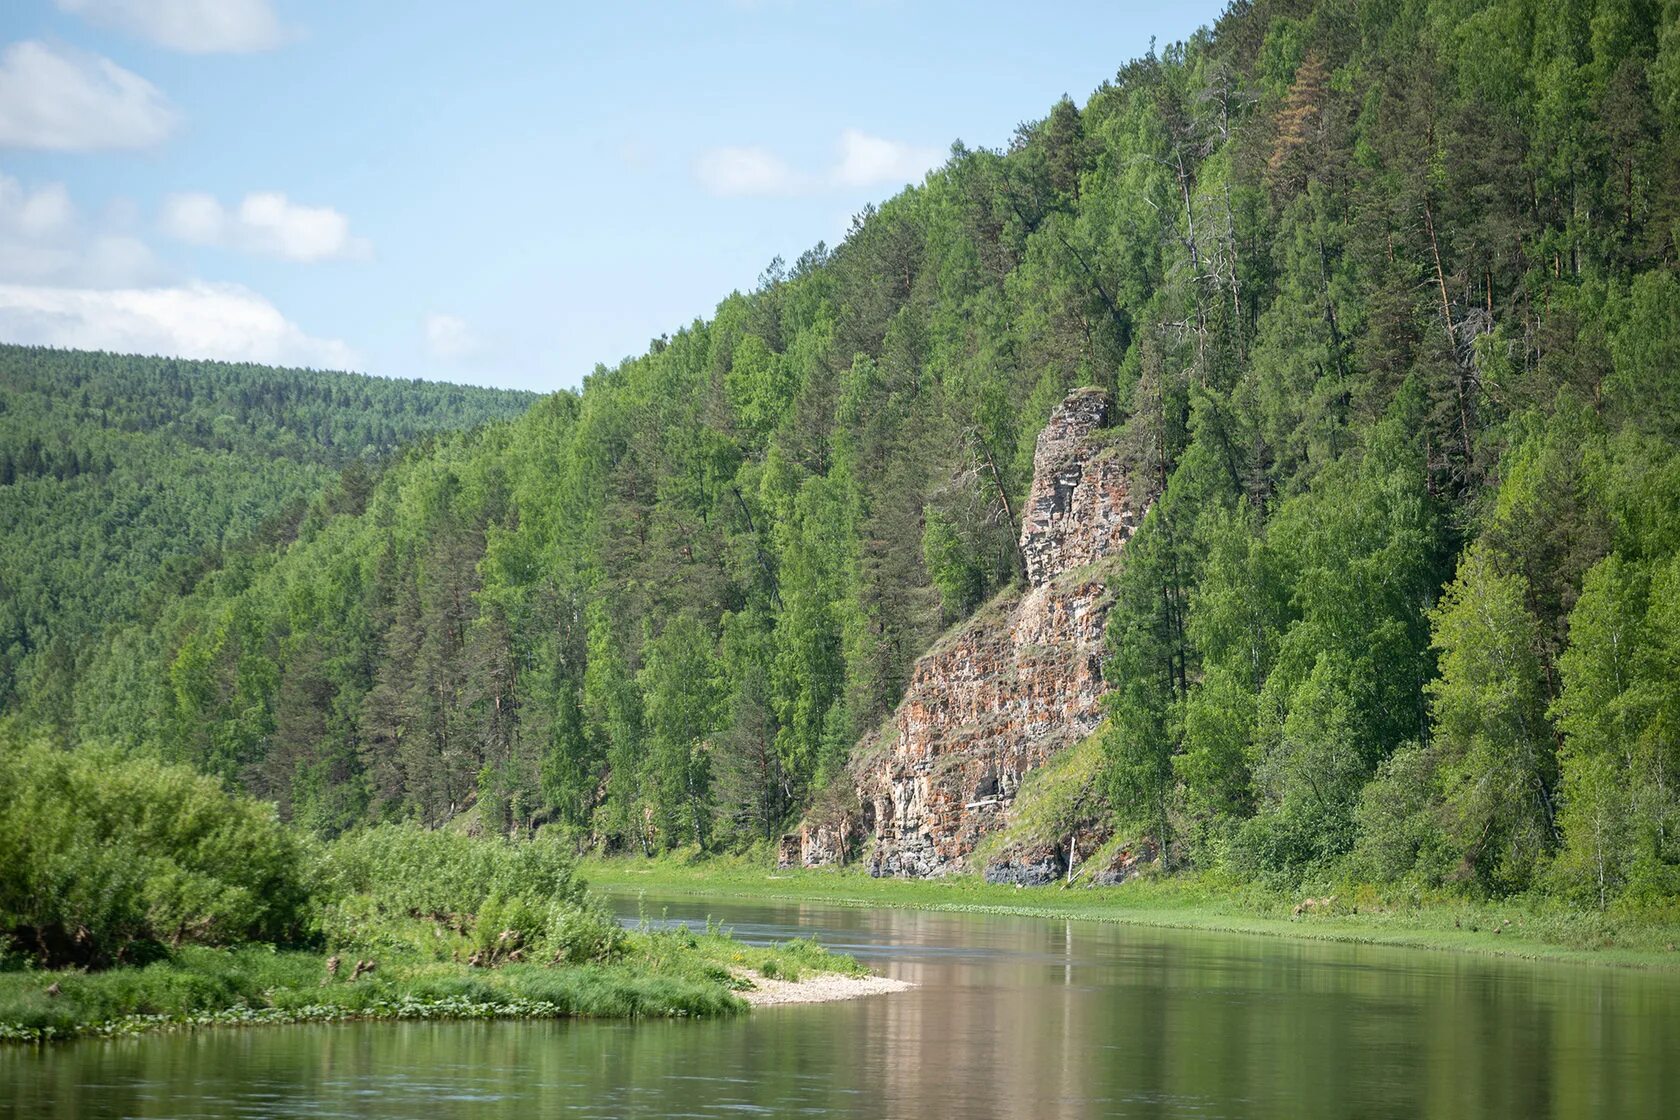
114	859
256	985
1443	361
1388	301
684	707
1401	837
1148	675
445	874
1490	727
1619	713
950	564
123	480
439	924
1645	346
441	894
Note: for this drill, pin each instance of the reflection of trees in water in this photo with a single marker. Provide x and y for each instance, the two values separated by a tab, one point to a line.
1011	1018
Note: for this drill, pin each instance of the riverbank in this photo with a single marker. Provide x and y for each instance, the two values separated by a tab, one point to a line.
141	896
658	974
825	987
1513	928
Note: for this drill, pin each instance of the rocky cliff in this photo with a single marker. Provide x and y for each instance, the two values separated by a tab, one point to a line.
1004	691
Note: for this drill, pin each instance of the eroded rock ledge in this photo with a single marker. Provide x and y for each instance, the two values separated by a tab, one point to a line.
1006	690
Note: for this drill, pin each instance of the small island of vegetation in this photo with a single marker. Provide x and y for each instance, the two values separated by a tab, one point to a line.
140	895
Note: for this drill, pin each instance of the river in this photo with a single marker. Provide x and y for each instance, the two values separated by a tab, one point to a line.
1011	1017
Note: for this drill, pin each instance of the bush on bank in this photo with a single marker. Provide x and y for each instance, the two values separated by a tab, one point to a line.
139	896
113	859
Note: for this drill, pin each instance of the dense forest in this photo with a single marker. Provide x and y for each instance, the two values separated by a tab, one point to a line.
123	478
1387	294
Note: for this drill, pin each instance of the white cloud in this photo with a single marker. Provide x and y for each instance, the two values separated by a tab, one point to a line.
735	172
448	337
67	282
862	161
100	262
870	161
193	26
194	320
265	222
65	101
40	213
44	241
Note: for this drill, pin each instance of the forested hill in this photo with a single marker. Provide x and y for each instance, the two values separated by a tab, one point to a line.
1387	296
121	475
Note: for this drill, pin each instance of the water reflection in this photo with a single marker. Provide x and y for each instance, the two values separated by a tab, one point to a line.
1011	1017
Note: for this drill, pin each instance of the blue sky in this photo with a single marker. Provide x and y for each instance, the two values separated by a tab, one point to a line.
498	193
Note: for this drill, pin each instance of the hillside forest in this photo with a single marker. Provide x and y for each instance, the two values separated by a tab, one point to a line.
122	478
1388	297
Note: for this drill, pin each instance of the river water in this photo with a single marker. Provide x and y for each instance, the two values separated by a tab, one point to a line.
1011	1017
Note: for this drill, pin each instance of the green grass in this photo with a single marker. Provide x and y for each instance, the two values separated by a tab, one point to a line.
660	974
1528	928
1059	797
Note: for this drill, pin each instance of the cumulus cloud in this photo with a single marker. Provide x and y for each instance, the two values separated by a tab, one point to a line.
861	160
193	26
448	337
266	223
193	320
67	101
870	161
43	240
735	172
43	212
67	281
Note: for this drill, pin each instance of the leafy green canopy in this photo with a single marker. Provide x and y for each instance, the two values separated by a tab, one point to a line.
375	884
1395	614
123	478
111	858
120	859
1387	296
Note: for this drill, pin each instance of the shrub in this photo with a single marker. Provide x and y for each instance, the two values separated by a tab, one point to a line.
409	889
112	858
582	934
414	871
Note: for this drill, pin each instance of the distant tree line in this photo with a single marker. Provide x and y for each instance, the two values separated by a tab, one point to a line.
113	467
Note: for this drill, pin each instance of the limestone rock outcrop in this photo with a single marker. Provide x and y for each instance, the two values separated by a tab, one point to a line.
1038	866
1077	510
1007	689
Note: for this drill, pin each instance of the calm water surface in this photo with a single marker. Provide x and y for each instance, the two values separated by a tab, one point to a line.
1011	1017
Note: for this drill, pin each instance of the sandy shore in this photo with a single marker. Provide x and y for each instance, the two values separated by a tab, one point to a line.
822	988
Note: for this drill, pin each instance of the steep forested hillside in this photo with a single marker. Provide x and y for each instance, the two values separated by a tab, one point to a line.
1387	294
123	476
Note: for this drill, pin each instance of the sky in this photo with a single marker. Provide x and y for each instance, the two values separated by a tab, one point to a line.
496	193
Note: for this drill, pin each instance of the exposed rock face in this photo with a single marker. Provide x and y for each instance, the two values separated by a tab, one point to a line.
1038	867
1076	512
789	851
1126	863
1009	688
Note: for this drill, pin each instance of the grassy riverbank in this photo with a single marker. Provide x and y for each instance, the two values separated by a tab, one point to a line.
139	896
654	974
1516	928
